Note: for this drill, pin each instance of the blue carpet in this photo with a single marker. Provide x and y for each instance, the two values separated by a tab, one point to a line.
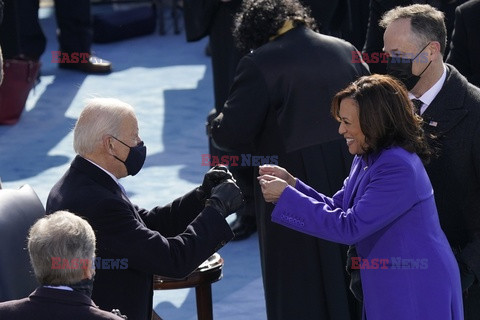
169	82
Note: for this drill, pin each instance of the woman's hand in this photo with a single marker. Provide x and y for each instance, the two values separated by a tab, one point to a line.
276	171
272	187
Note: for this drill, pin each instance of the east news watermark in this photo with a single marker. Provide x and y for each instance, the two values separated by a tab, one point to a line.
382	57
59	263
397	263
242	160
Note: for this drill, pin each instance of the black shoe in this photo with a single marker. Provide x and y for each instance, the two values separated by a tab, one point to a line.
93	65
243	227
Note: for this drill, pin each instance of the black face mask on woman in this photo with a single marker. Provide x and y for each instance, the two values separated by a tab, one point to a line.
135	159
401	68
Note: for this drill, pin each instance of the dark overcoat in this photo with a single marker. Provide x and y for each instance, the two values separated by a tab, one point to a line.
48	303
279	106
465	43
170	241
454	118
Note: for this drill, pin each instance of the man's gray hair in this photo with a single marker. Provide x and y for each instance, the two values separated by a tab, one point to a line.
100	117
59	245
427	23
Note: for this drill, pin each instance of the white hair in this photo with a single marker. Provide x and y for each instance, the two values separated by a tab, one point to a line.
58	237
100	117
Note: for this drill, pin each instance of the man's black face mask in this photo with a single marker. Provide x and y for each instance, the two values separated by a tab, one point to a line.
135	159
401	68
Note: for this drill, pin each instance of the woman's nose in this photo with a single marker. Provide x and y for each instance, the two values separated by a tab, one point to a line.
341	128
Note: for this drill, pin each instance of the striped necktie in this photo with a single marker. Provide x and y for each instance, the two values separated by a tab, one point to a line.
417	106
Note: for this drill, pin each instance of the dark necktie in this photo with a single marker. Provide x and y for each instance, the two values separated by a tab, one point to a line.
417	104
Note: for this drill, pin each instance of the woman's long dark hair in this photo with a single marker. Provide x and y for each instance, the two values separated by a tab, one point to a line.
259	20
386	115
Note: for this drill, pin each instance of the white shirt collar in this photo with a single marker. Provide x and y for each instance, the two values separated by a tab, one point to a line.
431	93
59	288
111	175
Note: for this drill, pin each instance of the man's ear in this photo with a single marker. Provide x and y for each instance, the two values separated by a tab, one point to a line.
435	49
108	143
88	270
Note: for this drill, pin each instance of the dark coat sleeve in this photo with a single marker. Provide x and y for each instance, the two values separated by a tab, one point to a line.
458	55
245	110
121	234
465	42
174	217
470	254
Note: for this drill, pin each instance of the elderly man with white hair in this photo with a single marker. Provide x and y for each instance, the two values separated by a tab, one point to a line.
171	240
65	288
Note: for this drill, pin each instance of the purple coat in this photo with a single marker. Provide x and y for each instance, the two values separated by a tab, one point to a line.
387	209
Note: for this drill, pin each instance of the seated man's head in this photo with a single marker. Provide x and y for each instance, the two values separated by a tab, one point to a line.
107	133
61	247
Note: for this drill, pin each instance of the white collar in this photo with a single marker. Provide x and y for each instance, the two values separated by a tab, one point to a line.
111	175
59	288
431	93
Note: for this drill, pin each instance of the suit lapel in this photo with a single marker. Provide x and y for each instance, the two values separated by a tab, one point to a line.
105	180
447	109
358	172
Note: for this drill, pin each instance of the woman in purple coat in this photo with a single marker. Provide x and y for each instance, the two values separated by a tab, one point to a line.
386	207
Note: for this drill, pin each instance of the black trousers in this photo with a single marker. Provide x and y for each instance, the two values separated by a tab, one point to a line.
20	31
21	34
74	21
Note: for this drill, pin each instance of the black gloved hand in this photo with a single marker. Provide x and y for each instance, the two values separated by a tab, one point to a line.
212	178
226	198
356	285
211	116
355	280
467	277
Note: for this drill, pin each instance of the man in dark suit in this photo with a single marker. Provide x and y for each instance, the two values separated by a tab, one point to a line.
170	241
278	110
450	107
374	34
65	288
465	43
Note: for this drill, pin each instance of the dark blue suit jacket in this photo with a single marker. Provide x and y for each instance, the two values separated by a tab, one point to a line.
169	241
454	118
465	43
47	304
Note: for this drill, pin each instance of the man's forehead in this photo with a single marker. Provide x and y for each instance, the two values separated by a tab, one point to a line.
398	37
130	123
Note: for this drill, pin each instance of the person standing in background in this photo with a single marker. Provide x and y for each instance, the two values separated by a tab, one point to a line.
465	43
450	108
278	107
22	36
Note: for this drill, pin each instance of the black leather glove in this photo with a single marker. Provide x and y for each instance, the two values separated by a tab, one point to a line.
226	198
212	178
355	280
467	277
211	116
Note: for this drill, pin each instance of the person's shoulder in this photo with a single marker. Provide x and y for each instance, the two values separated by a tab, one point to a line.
456	81
397	155
8	306
469	6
